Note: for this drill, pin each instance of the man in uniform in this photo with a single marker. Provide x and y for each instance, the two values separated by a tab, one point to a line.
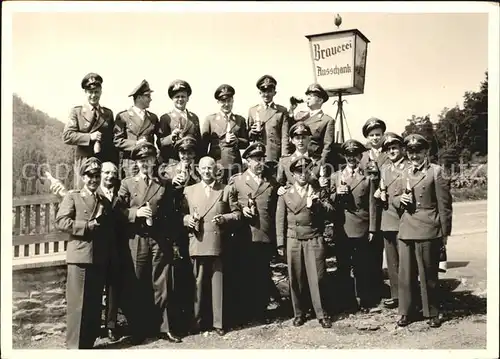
147	204
355	205
372	161
108	191
90	128
208	210
134	125
426	205
390	179
300	218
224	134
254	242
300	135
178	123
86	217
269	122
182	174
321	125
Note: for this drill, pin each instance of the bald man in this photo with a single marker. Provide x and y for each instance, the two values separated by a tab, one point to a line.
208	210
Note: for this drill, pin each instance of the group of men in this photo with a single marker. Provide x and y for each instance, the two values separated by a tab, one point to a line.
183	242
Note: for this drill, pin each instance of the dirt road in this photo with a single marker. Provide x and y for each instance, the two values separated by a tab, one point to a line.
464	309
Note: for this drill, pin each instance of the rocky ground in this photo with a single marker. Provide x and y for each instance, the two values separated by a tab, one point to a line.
39	310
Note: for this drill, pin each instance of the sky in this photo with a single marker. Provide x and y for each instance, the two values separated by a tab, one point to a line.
417	64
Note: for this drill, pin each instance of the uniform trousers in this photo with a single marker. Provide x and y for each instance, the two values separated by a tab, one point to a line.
419	258
392	257
353	255
207	271
307	267
112	296
146	288
84	286
376	249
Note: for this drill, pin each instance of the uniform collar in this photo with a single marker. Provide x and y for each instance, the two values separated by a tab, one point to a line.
299	154
398	162
184	112
139	111
269	105
256	178
315	112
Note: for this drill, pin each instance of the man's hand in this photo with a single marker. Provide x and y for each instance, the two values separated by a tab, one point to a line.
281	251
176	134
177	252
192	222
144	212
179	179
92	224
254	130
370	237
142	139
247	212
323	182
56	187
406	199
230	137
219	219
95	136
281	191
342	190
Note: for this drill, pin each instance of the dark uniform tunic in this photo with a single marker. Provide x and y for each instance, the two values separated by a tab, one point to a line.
300	229
84	120
421	230
128	129
87	257
213	133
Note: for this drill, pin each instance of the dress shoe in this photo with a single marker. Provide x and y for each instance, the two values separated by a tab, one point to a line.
364	310
170	337
325	323
403	321
298	321
434	322
391	303
219	331
113	335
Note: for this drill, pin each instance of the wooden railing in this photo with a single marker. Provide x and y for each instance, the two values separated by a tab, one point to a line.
36	243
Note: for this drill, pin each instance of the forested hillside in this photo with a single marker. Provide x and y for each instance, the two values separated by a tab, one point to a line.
37	143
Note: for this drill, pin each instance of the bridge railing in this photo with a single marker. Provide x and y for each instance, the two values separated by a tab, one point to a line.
36	242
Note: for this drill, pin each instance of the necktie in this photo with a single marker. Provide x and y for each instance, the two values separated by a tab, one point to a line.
207	191
95	114
146	179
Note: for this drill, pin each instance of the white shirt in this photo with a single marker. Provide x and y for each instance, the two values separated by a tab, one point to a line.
256	178
108	192
141	113
302	191
208	187
182	113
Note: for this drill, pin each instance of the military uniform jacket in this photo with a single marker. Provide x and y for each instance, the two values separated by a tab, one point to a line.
380	159
295	220
260	228
322	130
172	120
79	127
284	176
129	128
275	125
214	143
208	240
85	246
133	194
431	215
391	173
357	210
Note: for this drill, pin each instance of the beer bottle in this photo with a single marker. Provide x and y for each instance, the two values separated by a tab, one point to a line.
251	204
53	181
97	146
196	217
149	220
